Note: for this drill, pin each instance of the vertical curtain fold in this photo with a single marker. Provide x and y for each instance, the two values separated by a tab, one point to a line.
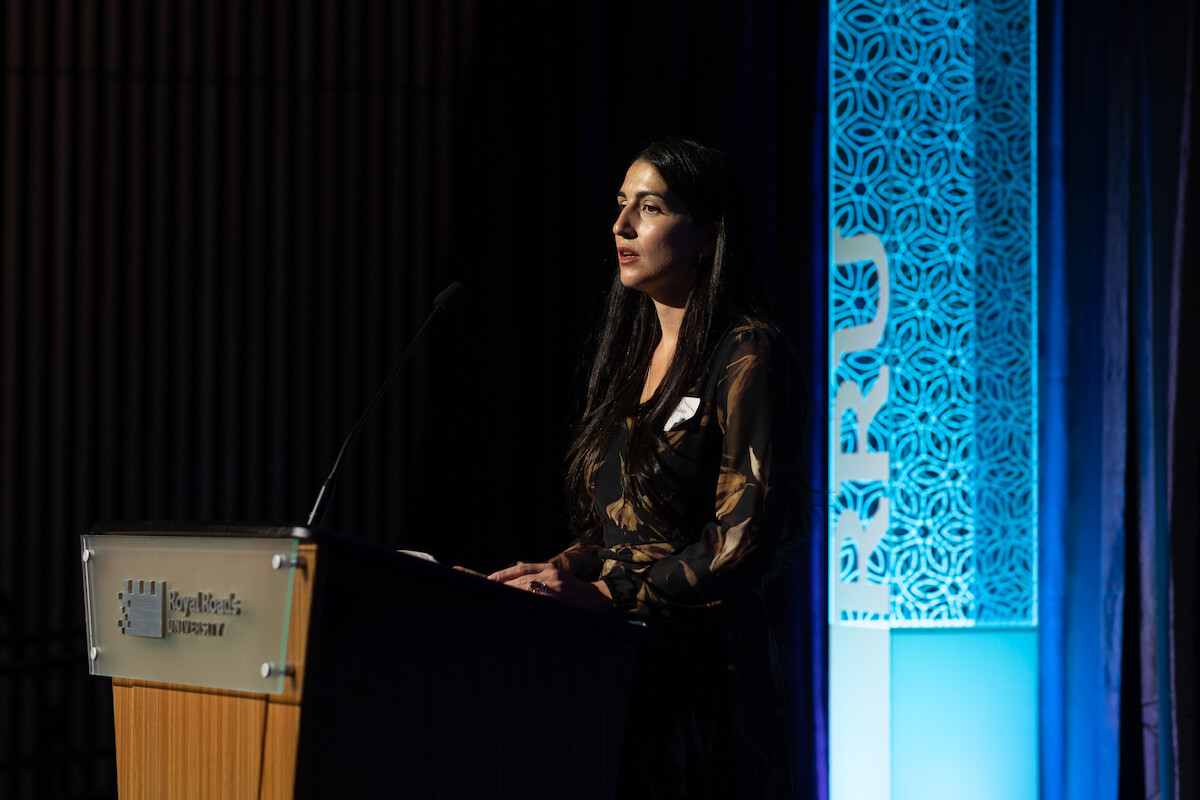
1183	445
1053	388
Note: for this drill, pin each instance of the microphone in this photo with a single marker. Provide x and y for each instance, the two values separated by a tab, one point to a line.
443	302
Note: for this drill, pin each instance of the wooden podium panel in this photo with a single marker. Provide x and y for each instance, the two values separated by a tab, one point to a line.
281	738
190	742
180	743
408	680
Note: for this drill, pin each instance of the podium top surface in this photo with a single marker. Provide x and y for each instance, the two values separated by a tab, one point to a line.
192	528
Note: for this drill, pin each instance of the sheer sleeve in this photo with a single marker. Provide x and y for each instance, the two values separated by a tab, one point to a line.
730	552
582	561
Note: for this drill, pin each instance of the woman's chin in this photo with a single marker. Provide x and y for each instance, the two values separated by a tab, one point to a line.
631	278
670	288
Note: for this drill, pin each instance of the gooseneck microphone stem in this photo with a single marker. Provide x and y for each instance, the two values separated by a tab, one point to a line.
447	298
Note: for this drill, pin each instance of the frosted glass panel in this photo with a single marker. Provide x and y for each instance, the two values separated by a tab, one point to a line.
202	611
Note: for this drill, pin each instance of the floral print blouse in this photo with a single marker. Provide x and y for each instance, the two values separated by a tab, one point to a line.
716	461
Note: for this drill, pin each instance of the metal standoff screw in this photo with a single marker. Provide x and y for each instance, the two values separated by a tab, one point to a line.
87	555
268	669
280	560
94	653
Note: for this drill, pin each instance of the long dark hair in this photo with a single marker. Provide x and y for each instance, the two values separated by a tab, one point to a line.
724	290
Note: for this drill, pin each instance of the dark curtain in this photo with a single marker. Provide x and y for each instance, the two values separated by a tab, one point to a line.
222	221
1119	447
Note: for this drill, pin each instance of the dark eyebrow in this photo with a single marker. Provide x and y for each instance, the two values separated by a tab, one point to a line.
640	195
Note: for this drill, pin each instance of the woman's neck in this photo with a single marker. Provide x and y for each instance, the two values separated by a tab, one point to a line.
670	318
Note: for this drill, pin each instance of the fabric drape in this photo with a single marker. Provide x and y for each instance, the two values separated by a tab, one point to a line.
1119	531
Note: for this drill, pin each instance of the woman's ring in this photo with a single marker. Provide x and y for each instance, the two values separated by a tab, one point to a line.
537	587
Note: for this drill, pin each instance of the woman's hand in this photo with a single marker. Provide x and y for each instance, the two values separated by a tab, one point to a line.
546	579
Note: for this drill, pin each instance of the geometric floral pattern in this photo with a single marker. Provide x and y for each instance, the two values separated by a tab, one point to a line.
932	147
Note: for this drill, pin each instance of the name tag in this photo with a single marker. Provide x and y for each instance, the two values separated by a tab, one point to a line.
686	409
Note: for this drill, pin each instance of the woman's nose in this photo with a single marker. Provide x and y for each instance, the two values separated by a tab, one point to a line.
622	227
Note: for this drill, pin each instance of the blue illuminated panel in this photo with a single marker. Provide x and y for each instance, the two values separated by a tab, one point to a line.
933	392
964	721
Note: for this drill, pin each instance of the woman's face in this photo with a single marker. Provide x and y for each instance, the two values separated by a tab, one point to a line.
658	244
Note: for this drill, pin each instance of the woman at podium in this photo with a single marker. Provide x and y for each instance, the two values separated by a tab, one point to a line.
684	483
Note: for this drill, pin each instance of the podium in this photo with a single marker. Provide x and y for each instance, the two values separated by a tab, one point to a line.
262	662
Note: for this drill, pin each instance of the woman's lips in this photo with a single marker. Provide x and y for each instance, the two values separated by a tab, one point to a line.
626	255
